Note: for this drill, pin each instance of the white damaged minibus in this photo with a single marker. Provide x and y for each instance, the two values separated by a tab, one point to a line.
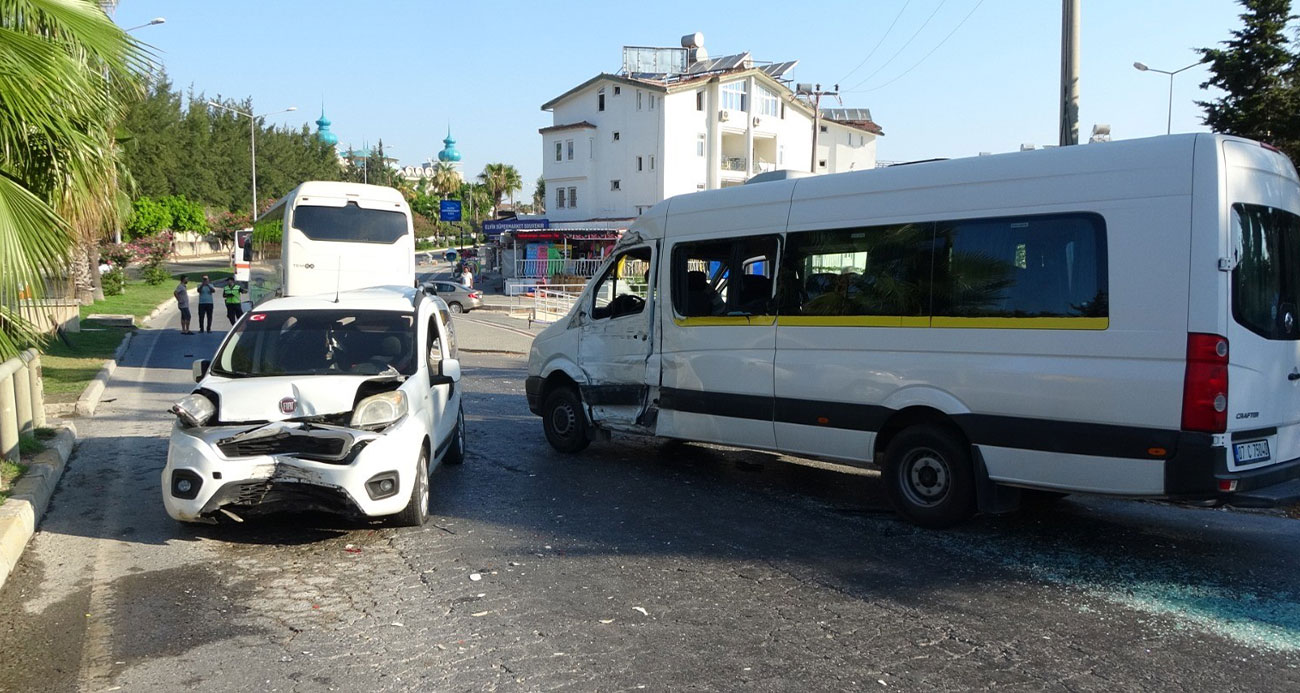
1115	318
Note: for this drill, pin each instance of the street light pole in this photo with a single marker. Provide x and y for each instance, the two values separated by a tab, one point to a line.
252	141
117	227
1169	117
151	22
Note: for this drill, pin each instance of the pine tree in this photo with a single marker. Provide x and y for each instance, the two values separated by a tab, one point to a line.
1259	73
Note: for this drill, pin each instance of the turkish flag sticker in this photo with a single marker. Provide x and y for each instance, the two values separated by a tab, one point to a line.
257	316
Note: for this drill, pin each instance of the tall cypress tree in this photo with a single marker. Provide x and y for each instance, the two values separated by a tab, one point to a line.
1258	71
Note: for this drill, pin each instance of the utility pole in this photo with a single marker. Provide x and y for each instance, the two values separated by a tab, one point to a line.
1069	72
814	91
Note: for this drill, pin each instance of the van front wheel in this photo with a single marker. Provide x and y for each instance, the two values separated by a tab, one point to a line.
564	422
928	477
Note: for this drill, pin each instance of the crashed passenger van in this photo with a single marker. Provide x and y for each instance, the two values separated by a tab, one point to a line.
342	403
1115	318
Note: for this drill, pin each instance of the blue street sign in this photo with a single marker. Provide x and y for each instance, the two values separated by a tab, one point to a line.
449	210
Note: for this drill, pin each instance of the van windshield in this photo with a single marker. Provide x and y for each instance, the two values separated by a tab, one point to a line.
1266	281
319	342
350	223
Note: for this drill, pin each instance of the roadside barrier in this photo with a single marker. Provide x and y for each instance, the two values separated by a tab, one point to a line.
22	400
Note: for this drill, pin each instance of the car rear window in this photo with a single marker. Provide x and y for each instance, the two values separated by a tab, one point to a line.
1266	280
350	223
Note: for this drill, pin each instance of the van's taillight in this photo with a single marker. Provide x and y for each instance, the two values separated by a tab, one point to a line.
1270	147
1205	385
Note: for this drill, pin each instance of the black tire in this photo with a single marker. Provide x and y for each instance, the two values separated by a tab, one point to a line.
456	453
564	422
416	512
455	307
929	477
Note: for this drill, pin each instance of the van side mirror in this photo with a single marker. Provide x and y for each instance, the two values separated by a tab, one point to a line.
448	373
200	369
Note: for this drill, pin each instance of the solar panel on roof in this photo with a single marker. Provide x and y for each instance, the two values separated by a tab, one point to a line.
725	62
775	70
846	113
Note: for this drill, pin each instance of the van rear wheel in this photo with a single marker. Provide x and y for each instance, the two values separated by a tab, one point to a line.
564	422
929	478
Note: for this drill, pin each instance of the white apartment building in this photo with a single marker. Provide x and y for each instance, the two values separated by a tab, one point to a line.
674	121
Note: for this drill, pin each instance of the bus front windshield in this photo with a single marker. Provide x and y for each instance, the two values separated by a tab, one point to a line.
351	223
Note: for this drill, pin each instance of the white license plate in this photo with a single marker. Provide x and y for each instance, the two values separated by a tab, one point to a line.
1253	451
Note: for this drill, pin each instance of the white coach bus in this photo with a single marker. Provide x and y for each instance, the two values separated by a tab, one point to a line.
328	236
1115	318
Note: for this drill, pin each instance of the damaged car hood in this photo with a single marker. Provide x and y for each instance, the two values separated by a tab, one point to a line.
285	397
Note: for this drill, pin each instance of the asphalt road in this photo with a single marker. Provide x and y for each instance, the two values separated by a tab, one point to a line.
635	565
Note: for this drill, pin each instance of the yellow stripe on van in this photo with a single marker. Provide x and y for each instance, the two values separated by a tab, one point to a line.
845	321
726	321
1023	323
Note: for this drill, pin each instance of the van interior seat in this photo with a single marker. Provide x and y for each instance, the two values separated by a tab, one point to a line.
755	291
699	295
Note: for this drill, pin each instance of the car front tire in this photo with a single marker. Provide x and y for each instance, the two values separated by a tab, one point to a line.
563	421
416	512
456	453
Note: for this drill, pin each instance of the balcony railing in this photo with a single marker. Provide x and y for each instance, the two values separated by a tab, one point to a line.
735	163
550	268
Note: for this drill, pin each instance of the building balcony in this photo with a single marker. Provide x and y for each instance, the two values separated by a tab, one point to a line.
735	163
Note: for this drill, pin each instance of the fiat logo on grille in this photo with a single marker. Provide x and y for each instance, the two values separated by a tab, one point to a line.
287	405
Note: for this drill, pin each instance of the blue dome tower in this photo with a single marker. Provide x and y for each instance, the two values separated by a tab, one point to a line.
323	129
449	155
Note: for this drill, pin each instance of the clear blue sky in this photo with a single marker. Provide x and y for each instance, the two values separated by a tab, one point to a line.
403	69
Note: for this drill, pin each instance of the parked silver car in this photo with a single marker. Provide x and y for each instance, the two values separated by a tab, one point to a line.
459	298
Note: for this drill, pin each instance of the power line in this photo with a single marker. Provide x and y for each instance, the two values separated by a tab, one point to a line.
904	46
932	50
878	43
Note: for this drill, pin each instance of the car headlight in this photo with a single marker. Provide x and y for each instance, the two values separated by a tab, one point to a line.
379	410
194	410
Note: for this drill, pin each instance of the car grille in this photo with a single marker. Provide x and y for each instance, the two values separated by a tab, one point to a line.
284	444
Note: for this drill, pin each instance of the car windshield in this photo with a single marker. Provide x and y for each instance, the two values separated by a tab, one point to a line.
319	342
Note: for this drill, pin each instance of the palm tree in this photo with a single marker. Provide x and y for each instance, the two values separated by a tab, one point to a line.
66	72
446	180
500	180
539	196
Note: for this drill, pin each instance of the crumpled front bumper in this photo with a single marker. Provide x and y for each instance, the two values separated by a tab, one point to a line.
203	475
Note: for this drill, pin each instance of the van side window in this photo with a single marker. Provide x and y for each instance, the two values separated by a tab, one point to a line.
881	270
732	276
1265	291
1051	266
624	287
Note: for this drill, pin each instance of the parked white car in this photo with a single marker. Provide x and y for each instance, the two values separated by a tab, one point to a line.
337	403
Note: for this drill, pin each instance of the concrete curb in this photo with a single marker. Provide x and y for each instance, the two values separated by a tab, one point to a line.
89	399
22	512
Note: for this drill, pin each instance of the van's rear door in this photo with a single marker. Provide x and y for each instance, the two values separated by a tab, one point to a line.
1263	319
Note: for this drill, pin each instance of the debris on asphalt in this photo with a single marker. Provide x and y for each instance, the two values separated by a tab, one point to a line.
352	548
481	613
606	620
642	610
475	577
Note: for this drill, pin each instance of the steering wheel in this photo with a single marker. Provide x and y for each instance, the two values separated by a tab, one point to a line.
625	304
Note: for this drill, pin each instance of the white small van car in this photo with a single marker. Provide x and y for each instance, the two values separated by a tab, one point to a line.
343	403
1117	318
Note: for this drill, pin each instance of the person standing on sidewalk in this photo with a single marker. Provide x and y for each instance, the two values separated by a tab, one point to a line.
206	292
234	301
182	294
